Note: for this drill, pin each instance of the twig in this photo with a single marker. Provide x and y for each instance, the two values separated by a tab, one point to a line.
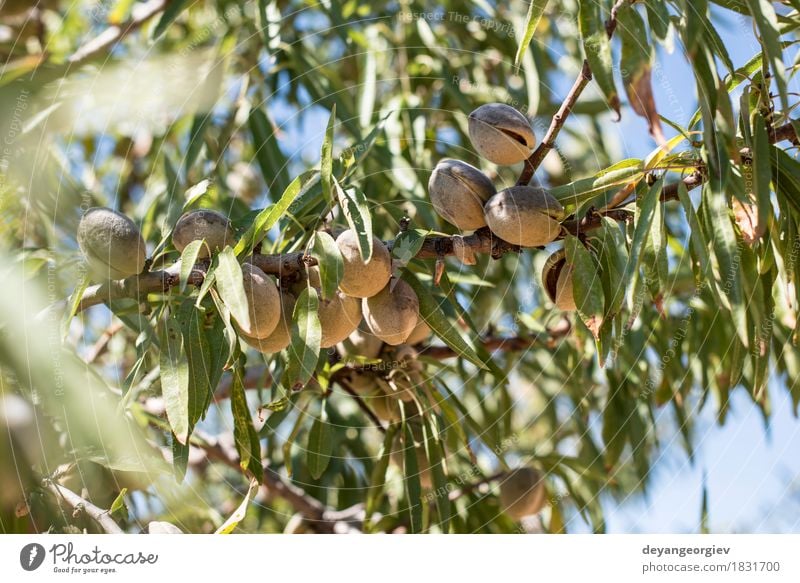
315	513
362	405
493	343
78	504
115	33
611	23
100	346
549	140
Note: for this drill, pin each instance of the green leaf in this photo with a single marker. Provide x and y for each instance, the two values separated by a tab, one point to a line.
171	12
378	476
356	210
636	65
767	23
583	190
330	263
597	46
119	502
267	218
587	287
431	312
616	415
180	458
306	338
271	161
761	171
230	285
644	218
696	235
188	259
326	158
196	142
198	354
412	484
320	443
407	245
535	11
724	240
614	257
175	378
73	303
244	434
435	453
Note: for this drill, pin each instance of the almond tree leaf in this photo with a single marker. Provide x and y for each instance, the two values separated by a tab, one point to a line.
636	64
320	443
761	173
230	286
613	254
587	286
267	218
180	458
378	476
615	418
699	247
406	246
73	303
330	262
728	255
271	161
431	312
171	12
196	141
535	11
597	46
175	378
643	221
306	338
369	79
198	355
188	259
629	171
244	434
434	448
326	158
241	511
119	502
356	210
659	20
767	23
412	484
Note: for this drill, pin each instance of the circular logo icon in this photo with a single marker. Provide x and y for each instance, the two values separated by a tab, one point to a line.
31	556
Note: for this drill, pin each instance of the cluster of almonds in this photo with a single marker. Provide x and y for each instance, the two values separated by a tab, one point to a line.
365	315
527	216
114	249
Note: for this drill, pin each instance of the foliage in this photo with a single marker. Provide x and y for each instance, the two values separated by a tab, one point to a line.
298	118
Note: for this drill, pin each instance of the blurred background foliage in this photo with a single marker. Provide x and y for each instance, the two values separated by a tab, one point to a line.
155	107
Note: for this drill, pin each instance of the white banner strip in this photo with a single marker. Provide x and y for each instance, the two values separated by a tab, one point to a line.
462	558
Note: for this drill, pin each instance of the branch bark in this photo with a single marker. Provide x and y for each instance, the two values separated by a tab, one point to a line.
76	503
115	33
318	516
549	141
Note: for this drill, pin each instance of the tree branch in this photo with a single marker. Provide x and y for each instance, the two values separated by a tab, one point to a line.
115	33
549	140
80	505
321	518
